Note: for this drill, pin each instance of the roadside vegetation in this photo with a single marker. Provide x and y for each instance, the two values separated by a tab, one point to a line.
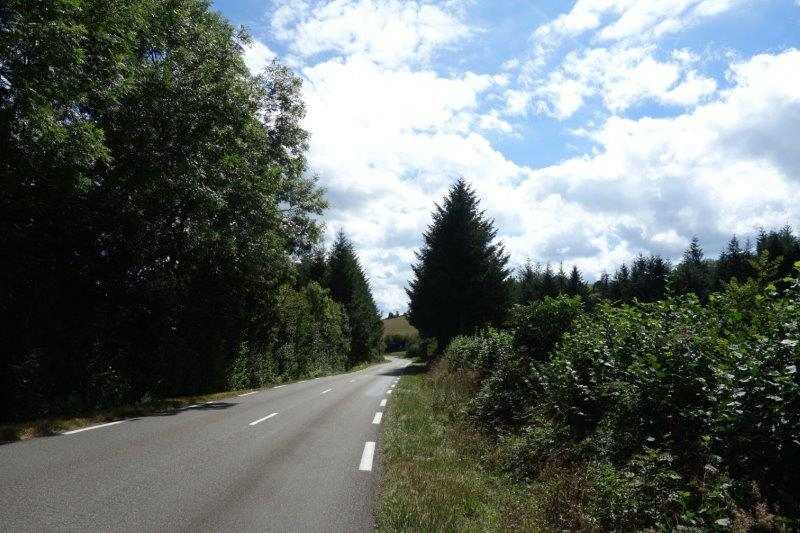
161	230
663	397
398	334
436	472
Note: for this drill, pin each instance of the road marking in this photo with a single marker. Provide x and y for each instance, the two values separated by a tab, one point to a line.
366	457
279	386
192	406
248	393
302	381
352	381
326	391
93	427
377	419
254	422
389	391
383	402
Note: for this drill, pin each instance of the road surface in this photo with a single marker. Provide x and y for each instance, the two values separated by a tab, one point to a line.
297	457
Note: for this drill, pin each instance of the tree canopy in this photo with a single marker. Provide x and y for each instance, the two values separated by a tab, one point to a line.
153	195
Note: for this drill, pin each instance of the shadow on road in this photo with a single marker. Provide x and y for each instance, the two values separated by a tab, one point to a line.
211	406
416	368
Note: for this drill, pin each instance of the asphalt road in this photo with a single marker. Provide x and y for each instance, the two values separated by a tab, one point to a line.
224	466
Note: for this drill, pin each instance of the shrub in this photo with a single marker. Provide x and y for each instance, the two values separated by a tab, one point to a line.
424	349
539	325
713	388
672	411
398	343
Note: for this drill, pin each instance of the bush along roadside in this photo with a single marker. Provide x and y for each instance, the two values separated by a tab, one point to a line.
659	415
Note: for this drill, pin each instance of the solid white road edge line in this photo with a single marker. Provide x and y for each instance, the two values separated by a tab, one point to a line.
366	457
326	390
377	419
72	432
254	422
248	393
383	402
278	386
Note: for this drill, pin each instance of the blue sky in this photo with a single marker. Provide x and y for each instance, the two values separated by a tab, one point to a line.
592	130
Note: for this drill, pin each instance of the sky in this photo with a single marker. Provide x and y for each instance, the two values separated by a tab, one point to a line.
591	130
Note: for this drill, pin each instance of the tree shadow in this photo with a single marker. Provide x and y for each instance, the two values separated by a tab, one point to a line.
413	369
206	406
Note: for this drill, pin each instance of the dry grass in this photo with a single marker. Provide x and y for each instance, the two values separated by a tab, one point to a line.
399	326
436	472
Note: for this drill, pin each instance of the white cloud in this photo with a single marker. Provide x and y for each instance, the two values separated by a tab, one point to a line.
256	55
622	76
389	133
727	166
629	21
389	32
641	20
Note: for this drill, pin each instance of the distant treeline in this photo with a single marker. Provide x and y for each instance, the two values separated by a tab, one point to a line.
155	210
651	278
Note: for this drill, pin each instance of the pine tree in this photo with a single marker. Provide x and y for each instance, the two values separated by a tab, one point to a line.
603	286
349	287
621	286
549	282
693	274
561	279
782	246
460	282
734	262
575	284
658	272
527	284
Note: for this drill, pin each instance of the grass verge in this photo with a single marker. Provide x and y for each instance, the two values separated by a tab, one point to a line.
437	470
52	426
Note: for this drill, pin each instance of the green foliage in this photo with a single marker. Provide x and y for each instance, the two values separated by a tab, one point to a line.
460	283
539	325
673	409
398	334
694	274
397	343
424	349
153	194
349	287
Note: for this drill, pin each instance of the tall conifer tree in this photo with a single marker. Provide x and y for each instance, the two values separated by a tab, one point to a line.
460	282
349	287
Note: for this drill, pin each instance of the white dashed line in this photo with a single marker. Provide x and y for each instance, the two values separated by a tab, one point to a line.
383	402
248	393
326	391
278	386
254	422
366	457
377	419
93	427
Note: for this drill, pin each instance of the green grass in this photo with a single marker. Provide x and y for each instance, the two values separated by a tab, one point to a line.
52	426
437	471
399	326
